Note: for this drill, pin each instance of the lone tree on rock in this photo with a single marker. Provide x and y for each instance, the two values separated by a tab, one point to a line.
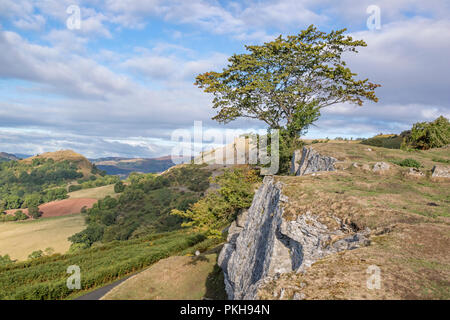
286	82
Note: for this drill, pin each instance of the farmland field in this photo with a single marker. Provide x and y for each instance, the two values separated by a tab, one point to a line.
94	193
19	239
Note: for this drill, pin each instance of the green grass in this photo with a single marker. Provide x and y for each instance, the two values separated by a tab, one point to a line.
45	278
94	193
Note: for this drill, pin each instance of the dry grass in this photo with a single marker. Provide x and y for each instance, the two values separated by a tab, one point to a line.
19	239
409	220
174	278
94	193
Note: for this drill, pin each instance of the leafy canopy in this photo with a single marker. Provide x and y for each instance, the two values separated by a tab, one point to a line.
287	81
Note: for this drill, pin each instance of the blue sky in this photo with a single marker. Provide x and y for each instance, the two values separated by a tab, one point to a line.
123	82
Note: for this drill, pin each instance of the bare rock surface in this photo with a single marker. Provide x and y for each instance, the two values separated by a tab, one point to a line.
309	161
440	172
269	245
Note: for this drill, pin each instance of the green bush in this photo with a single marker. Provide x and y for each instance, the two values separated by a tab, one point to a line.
36	254
408	163
384	141
20	215
427	135
119	187
34	212
45	277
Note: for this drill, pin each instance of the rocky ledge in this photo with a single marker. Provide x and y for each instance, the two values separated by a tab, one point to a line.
263	244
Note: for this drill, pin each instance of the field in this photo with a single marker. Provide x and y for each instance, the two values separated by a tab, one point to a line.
61	207
19	239
174	278
94	193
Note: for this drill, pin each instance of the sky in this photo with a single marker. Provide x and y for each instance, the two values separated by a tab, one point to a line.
122	83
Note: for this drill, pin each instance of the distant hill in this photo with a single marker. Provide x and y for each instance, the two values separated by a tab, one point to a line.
7	156
83	164
125	166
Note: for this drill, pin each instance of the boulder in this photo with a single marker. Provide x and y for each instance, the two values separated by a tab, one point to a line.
414	172
310	161
381	167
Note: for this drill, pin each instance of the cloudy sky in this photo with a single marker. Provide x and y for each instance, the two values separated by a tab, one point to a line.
123	82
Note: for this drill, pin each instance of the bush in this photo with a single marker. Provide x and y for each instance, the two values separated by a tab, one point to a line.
34	212
119	187
36	254
213	212
384	141
427	135
5	260
20	215
408	163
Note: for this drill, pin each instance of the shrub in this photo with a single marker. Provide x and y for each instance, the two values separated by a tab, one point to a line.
384	141
36	254
5	260
427	135
20	215
213	212
119	187
34	212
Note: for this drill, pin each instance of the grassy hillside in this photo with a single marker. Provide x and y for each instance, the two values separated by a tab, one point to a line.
174	278
45	278
19	239
44	178
94	193
409	219
144	206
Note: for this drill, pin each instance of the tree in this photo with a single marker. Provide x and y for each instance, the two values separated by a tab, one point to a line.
286	82
426	135
119	187
34	212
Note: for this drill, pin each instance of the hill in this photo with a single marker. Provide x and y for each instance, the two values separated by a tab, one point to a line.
82	163
125	166
328	234
44	178
7	157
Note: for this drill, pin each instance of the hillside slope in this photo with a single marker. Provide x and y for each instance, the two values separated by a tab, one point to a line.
322	235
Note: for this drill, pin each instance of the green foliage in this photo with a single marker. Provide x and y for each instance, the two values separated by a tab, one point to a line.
20	215
5	260
45	277
286	82
385	141
36	254
34	212
427	135
25	184
119	187
412	163
217	209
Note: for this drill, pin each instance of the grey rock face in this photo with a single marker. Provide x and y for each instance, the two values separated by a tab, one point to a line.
440	172
380	167
269	245
310	161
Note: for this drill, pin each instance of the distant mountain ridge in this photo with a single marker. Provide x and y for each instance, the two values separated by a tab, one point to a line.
7	156
124	166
